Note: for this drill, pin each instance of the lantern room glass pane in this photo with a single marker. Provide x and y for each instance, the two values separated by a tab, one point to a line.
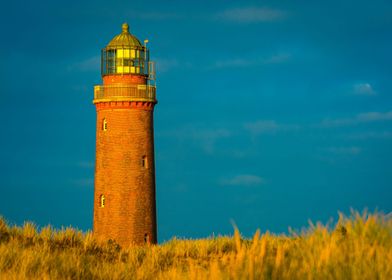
128	62
124	60
119	62
120	53
111	62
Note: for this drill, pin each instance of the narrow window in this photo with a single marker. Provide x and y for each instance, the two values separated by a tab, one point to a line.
144	162
102	201
104	125
146	238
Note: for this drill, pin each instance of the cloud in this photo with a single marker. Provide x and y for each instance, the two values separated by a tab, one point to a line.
248	62
208	138
333	155
364	89
251	15
259	127
374	116
166	64
278	58
337	122
268	126
344	150
236	62
358	119
90	64
369	135
205	138
242	180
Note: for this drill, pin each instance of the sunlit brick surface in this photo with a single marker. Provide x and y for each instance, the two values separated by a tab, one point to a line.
128	184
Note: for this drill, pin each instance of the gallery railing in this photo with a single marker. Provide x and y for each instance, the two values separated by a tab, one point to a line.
124	93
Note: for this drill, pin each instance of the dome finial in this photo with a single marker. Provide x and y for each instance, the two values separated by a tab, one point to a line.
125	28
124	39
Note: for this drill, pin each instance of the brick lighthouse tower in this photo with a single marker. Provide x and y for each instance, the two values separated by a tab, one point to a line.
124	193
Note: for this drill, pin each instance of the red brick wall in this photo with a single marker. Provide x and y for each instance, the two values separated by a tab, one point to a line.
132	79
128	186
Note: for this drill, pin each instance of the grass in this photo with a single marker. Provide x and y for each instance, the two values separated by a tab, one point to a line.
357	247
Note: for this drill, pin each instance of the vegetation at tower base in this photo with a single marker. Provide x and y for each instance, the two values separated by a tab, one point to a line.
358	247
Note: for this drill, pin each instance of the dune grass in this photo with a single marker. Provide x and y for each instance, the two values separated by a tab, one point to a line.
357	247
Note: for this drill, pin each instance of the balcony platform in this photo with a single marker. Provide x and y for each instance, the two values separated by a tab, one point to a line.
108	93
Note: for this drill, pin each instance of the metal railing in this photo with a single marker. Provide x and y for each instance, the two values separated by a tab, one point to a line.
124	93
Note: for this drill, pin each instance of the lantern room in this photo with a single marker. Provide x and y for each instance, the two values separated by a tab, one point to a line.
126	55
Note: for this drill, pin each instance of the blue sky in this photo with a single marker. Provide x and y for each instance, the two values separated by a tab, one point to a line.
270	112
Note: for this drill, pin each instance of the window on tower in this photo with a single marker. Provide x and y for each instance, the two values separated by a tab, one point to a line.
102	201
104	124
144	162
146	238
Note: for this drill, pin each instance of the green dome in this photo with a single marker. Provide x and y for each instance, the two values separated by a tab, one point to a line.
124	40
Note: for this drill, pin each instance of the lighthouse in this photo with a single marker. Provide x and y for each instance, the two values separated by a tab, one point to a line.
124	185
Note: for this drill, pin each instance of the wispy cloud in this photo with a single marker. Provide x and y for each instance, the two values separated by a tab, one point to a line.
208	138
248	62
262	126
344	150
268	126
333	155
358	119
205	138
235	62
337	122
89	64
251	15
166	64
278	58
369	135
242	180
364	89
374	116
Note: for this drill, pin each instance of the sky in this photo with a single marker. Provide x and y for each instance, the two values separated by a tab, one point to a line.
270	113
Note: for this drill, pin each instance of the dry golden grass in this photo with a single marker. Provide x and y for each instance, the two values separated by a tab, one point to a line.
358	247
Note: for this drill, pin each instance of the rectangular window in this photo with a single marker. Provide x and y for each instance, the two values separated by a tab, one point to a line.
144	162
102	201
104	124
